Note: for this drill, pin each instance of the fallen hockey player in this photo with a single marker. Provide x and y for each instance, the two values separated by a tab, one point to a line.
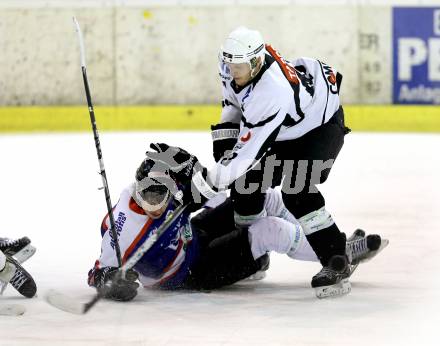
204	253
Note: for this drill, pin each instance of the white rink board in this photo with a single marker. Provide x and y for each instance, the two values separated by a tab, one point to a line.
383	183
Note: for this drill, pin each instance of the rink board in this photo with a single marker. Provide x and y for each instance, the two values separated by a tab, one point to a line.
199	117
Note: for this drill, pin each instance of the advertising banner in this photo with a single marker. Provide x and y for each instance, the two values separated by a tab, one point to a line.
416	55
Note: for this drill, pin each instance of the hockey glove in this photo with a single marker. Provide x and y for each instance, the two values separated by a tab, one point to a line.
224	138
186	170
180	162
110	284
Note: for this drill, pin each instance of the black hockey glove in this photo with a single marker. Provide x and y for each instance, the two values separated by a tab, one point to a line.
183	164
224	138
186	169
111	285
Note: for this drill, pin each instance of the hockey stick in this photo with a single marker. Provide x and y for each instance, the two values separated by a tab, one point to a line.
67	304
113	233
58	299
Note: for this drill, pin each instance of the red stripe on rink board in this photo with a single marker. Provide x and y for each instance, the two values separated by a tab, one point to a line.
137	240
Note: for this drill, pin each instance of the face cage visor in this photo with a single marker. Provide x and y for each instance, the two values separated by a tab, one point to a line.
152	194
230	60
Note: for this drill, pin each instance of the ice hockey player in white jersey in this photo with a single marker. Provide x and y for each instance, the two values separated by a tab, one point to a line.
281	122
205	253
12	254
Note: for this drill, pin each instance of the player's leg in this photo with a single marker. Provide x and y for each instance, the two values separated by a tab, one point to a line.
215	222
275	234
248	195
318	149
225	261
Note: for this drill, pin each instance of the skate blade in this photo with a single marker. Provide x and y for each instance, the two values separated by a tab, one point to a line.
352	269
24	254
339	289
12	310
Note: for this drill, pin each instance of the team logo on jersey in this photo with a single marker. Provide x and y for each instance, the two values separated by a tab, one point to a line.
246	137
119	223
331	78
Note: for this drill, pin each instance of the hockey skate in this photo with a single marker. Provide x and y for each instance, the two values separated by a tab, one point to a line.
332	280
18	277
362	249
20	249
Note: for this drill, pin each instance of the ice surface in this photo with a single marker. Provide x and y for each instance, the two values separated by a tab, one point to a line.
383	183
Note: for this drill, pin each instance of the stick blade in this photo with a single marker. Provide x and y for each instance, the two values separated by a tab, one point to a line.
64	303
12	310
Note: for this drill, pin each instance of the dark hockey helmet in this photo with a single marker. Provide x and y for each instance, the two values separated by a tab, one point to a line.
153	186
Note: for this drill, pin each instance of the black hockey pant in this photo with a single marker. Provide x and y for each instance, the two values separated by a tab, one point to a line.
303	162
225	256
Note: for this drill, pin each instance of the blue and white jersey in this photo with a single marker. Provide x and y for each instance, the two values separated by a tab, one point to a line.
167	262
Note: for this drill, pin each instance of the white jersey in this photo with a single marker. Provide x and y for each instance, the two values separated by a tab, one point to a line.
283	102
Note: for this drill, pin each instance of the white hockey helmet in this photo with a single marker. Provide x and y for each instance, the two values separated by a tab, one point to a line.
243	45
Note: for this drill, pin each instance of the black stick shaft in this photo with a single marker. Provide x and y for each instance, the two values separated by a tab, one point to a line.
113	233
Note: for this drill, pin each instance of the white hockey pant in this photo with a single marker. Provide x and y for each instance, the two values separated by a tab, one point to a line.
272	233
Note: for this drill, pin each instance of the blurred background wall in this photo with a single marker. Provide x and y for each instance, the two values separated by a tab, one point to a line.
165	52
152	64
